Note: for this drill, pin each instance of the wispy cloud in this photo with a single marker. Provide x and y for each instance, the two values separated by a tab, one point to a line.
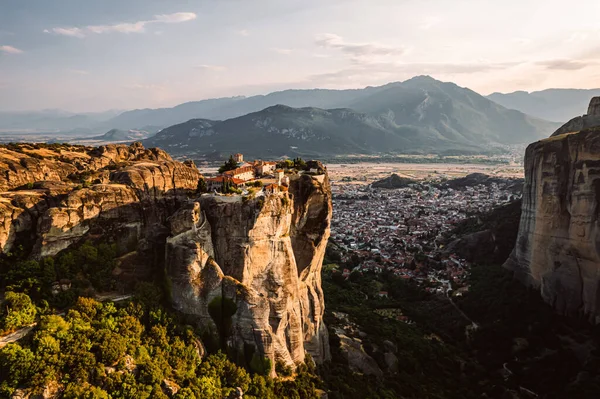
430	22
283	51
10	49
175	18
564	64
523	41
243	32
359	52
144	86
124	27
73	32
208	67
385	71
79	71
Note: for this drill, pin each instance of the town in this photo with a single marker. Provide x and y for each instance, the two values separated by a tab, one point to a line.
402	230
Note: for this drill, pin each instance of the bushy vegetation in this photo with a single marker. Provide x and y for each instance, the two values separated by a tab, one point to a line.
516	330
99	350
201	187
428	368
136	349
87	268
230	164
17	311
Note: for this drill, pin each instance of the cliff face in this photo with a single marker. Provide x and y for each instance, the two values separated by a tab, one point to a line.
262	254
558	245
61	193
249	269
591	119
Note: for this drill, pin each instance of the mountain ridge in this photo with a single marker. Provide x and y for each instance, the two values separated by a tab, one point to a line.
421	115
558	105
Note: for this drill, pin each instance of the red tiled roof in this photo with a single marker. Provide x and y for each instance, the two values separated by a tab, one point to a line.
239	171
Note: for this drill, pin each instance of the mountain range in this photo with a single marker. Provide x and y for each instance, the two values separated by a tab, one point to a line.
559	105
417	116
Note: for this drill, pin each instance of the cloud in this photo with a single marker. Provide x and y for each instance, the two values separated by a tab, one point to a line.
135	27
72	32
125	27
523	41
359	52
283	51
430	22
208	67
10	50
79	71
564	64
143	86
243	32
175	18
384	71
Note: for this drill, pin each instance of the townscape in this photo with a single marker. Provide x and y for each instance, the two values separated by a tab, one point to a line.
401	230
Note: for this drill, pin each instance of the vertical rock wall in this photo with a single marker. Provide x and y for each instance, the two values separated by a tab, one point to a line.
265	255
558	246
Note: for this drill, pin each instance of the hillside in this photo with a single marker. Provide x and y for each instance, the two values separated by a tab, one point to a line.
118	135
421	115
438	110
558	105
280	130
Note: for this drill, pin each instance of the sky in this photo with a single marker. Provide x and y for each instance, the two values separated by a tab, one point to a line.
95	55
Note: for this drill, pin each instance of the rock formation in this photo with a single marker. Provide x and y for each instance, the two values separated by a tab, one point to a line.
558	245
263	255
591	119
247	268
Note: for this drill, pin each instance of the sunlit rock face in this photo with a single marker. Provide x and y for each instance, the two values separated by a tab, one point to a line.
263	254
258	257
558	246
61	194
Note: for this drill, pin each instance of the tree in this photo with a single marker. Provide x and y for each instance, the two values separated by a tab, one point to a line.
202	187
231	164
17	311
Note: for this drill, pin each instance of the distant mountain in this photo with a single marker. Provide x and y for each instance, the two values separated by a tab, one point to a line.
117	135
558	105
417	116
418	101
48	120
227	108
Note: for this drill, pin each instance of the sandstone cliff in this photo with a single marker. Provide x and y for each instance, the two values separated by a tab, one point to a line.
59	193
591	119
264	255
558	245
247	268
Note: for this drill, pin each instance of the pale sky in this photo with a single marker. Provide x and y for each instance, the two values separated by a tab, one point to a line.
85	55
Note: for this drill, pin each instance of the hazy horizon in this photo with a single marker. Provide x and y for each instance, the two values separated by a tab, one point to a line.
94	57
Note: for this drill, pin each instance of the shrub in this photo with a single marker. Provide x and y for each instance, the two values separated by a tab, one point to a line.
17	311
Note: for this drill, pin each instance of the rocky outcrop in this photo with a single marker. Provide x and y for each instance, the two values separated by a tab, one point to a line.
263	255
60	193
558	245
591	119
248	268
393	181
